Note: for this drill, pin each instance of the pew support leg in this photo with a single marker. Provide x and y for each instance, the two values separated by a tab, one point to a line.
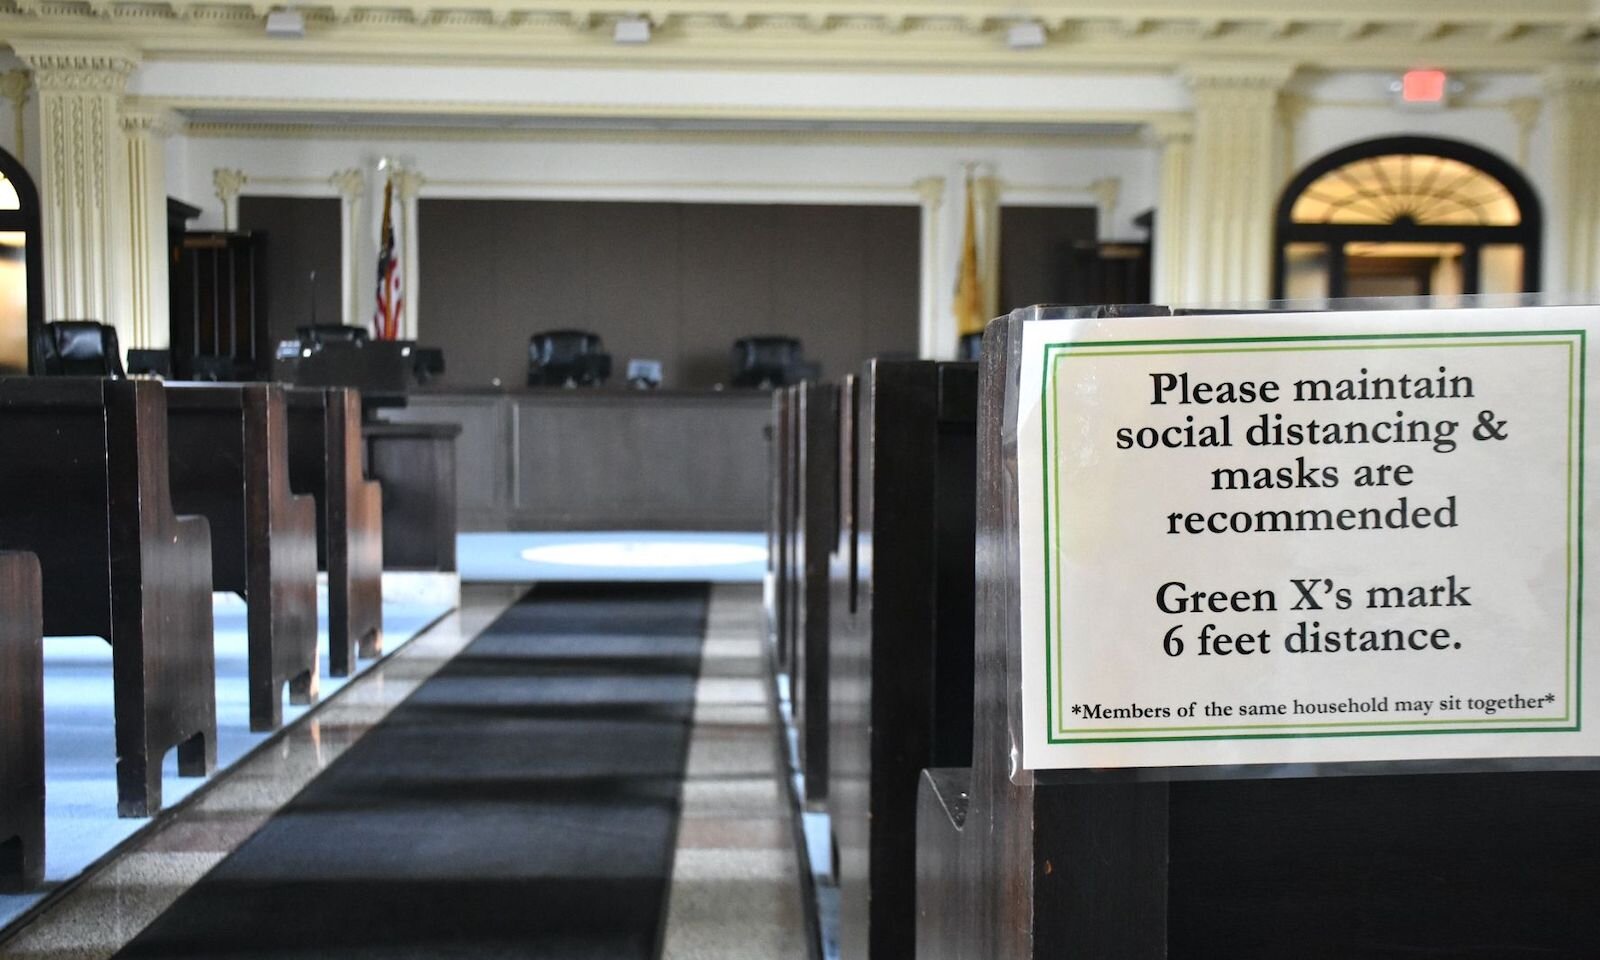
197	756
20	865
303	689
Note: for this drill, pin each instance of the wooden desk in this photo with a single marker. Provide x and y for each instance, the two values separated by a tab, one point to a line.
603	459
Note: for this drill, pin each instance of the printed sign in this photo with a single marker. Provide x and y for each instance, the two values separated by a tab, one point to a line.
1304	538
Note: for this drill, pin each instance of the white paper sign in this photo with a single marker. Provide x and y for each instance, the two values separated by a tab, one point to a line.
1304	538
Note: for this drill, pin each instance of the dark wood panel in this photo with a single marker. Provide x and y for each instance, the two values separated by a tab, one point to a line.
899	658
230	464
302	235
327	461
817	476
21	724
1033	245
86	489
554	459
673	282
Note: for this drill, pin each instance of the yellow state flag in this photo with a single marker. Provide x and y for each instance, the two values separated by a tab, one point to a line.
969	286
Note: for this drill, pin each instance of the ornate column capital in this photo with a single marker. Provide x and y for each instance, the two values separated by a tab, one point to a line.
1106	191
351	183
1572	78
1258	76
407	184
71	66
1167	128
930	190
229	183
14	86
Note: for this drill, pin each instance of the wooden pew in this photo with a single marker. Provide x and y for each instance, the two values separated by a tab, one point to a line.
415	465
1424	864
85	487
326	463
816	481
21	724
773	432
229	451
900	672
783	502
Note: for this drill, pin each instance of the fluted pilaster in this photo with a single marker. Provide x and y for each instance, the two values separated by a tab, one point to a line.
1235	173
84	180
1573	98
149	319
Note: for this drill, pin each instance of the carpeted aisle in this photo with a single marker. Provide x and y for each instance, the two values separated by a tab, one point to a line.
522	803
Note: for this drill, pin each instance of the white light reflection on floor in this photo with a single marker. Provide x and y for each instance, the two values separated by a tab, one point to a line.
645	554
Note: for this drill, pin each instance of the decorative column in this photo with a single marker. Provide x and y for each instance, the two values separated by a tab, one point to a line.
1168	270
229	184
1106	190
986	200
407	184
14	86
1573	97
84	180
1525	114
1235	174
935	334
352	187
149	320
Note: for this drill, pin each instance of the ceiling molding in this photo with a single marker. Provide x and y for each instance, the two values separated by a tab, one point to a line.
424	113
865	34
436	133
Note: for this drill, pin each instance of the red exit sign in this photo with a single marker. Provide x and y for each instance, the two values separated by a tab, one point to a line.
1424	88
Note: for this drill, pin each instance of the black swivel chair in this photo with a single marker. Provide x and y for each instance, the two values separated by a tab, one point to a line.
320	333
770	362
559	358
78	348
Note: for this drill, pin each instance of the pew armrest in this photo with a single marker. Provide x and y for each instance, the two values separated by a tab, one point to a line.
944	910
945	790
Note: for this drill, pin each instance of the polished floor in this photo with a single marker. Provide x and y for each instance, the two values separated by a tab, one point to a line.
735	886
81	822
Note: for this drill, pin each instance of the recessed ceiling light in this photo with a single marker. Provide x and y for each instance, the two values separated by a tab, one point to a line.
287	24
1025	35
631	30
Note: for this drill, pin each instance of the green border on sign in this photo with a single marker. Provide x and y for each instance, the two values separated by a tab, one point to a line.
1055	353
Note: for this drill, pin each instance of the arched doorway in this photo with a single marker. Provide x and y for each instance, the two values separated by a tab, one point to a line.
1407	216
21	265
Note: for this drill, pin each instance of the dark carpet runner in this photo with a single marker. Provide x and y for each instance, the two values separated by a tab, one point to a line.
521	803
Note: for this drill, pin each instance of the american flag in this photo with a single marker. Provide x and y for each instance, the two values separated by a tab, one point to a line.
391	291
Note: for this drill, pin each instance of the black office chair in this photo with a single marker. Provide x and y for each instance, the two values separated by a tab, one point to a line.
151	363
78	348
769	362
572	358
970	347
426	363
320	333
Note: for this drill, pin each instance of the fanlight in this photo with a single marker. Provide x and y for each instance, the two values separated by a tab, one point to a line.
1407	187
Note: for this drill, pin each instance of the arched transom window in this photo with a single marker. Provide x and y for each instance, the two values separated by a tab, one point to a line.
21	278
1407	216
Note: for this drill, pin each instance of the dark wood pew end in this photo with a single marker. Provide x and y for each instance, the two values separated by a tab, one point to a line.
21	724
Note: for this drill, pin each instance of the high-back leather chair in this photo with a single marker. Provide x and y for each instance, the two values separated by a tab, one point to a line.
567	358
767	361
78	348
